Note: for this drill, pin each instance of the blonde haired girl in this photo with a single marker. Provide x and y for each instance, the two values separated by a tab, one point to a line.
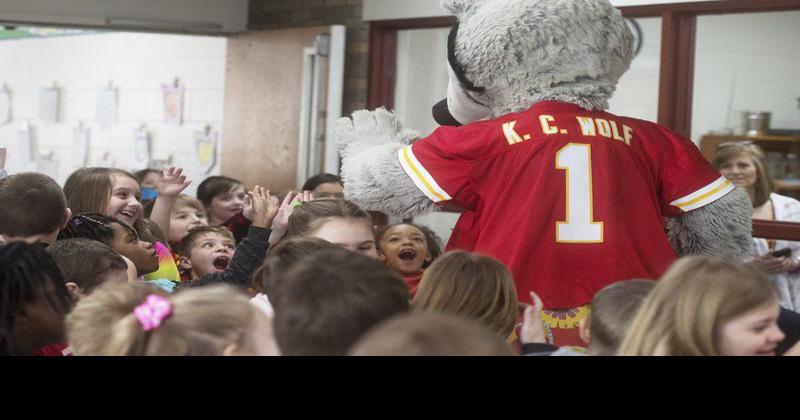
707	307
136	319
472	286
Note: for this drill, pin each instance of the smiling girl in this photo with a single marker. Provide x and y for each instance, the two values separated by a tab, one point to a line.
744	164
116	193
337	221
707	307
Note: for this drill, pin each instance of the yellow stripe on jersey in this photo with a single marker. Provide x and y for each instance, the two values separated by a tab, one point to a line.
705	195
422	179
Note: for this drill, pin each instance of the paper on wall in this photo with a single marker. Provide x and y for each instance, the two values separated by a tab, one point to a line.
107	106
141	149
5	106
25	144
205	143
47	164
80	145
173	103
48	104
103	160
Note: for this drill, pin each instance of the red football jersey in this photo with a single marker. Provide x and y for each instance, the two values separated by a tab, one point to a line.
570	200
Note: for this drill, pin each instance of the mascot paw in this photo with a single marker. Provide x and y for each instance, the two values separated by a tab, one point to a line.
370	128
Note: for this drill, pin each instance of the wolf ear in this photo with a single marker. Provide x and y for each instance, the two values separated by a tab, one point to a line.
461	7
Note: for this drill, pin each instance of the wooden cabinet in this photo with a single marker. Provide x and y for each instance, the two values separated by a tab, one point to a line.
788	185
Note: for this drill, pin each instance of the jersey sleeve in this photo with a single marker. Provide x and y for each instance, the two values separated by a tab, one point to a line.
438	166
688	181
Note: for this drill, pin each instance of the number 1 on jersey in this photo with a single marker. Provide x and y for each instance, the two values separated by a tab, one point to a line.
576	160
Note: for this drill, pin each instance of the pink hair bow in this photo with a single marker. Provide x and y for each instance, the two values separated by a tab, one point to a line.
152	312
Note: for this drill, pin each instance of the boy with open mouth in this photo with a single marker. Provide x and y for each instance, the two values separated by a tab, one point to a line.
211	251
209	254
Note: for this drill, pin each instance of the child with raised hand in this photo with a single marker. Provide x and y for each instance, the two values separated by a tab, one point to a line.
603	329
105	265
116	193
337	221
206	249
408	249
137	319
210	255
281	223
187	214
33	301
471	286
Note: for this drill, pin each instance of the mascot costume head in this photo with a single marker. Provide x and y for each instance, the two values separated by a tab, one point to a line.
505	56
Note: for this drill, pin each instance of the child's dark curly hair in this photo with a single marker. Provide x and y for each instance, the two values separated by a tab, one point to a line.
25	271
94	226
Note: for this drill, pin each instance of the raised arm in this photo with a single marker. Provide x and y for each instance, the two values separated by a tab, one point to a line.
170	184
251	251
371	172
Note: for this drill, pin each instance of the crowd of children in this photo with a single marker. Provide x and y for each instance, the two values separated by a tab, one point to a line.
126	264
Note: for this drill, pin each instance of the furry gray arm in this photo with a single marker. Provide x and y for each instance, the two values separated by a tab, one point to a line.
721	229
371	172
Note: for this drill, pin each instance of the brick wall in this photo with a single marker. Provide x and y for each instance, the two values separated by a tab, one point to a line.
274	14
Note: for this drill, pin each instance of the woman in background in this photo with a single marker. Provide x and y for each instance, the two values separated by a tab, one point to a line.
743	164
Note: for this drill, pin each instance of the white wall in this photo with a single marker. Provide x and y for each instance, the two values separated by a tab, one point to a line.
746	62
137	64
393	9
421	76
637	91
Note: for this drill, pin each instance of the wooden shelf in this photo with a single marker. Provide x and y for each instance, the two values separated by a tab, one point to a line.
774	138
787	186
789	144
789	139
